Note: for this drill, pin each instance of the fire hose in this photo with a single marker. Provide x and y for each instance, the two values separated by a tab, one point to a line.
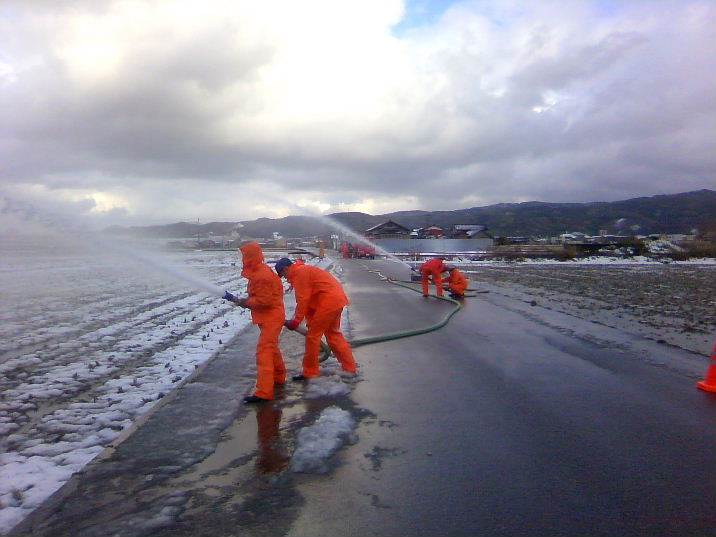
359	342
404	333
325	349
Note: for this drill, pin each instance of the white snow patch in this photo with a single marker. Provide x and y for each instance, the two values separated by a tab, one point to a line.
332	386
97	347
316	444
593	260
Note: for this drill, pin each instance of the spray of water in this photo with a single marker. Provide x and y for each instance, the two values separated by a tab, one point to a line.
335	224
161	266
100	244
348	231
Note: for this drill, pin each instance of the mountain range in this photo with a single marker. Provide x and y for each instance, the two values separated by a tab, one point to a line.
672	213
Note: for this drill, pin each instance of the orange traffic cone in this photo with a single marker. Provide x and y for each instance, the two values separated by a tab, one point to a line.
709	383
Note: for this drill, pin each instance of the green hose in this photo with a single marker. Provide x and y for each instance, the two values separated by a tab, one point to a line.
326	351
408	333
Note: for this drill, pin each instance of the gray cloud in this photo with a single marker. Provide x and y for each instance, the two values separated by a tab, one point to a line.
150	113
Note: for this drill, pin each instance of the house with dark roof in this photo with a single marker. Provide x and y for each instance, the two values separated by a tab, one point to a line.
470	231
387	230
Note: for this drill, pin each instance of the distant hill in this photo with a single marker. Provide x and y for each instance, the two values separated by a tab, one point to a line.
673	213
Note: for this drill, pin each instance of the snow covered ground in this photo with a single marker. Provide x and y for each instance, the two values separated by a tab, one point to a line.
674	303
466	262
88	344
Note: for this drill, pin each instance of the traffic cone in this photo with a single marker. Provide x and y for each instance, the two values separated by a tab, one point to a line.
709	383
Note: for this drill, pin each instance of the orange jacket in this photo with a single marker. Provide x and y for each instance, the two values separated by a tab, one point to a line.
265	288
316	290
433	266
457	281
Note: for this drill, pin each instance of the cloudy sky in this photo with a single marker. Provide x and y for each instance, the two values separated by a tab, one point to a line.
150	111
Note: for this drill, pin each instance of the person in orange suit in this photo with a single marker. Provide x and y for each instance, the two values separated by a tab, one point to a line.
298	262
432	270
320	300
265	300
457	283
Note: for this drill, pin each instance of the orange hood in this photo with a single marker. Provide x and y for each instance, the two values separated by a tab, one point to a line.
251	257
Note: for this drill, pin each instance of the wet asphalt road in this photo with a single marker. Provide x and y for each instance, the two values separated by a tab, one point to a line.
498	425
495	425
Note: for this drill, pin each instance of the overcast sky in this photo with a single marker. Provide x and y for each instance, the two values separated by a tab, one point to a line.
143	111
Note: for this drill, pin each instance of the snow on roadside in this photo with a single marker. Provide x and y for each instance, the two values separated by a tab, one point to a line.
39	464
317	443
109	347
468	264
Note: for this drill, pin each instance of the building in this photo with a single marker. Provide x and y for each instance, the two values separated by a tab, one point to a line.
387	230
469	231
574	236
432	232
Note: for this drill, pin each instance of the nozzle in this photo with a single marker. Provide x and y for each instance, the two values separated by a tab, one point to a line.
228	296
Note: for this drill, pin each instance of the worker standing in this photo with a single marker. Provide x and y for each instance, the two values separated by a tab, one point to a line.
320	300
432	270
457	283
265	301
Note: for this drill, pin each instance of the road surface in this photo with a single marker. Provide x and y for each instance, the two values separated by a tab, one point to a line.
505	422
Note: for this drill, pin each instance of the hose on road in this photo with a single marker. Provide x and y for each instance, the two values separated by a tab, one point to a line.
407	333
326	350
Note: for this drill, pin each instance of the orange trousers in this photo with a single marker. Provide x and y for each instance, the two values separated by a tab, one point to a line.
437	281
270	368
328	323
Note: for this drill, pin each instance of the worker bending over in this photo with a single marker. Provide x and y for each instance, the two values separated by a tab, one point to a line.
433	269
456	283
265	301
320	300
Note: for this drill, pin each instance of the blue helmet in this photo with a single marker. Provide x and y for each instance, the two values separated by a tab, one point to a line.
282	264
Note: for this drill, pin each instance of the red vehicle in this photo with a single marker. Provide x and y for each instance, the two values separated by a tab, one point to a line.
364	251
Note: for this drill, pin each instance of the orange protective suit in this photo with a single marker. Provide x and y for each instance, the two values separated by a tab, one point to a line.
457	282
433	269
266	304
320	300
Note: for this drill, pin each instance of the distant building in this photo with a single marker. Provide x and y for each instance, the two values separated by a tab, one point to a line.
575	236
470	231
387	230
432	232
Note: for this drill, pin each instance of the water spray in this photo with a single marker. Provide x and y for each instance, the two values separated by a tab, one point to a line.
344	229
54	222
